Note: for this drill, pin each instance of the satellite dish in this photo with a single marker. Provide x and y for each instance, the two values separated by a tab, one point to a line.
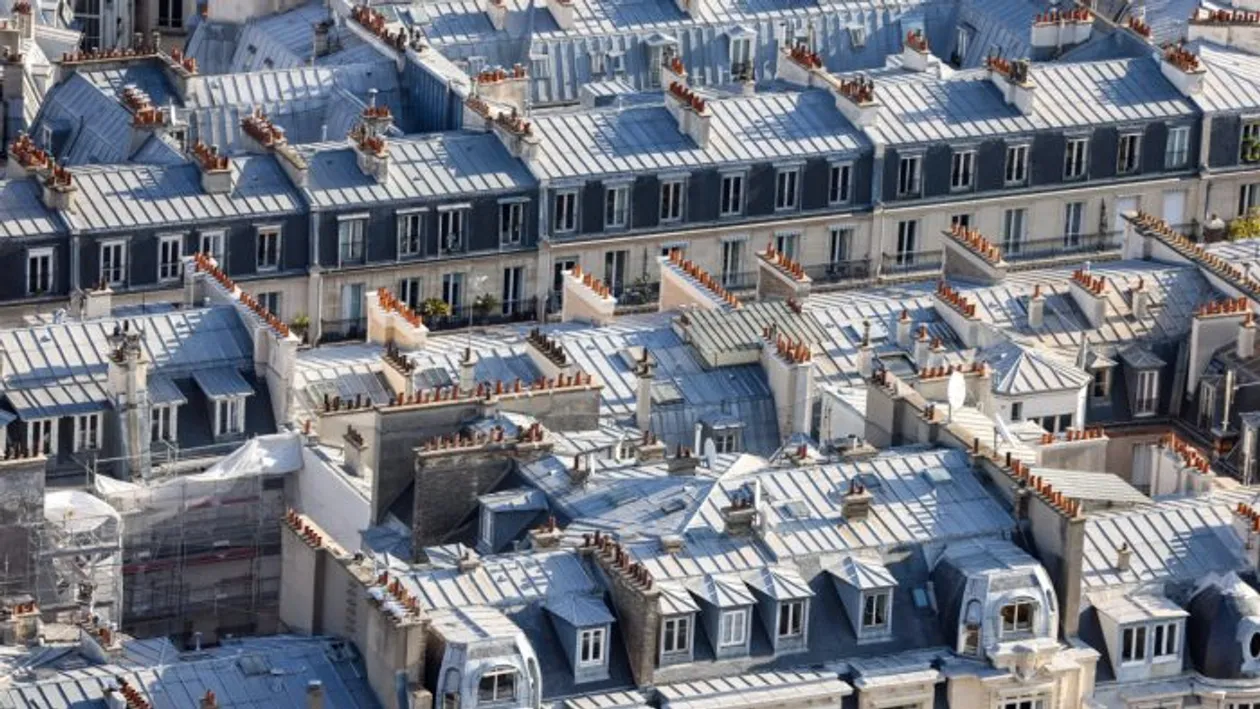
957	391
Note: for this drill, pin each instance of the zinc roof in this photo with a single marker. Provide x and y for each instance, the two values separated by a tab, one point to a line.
966	106
580	611
222	383
1140	607
862	573
907	508
22	212
1100	487
675	600
502	582
779	582
1019	369
1232	81
163	391
760	128
755	689
176	343
421	167
723	590
57	400
119	198
1172	540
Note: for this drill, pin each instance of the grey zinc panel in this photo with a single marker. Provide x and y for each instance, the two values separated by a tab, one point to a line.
222	382
124	197
966	106
1232	82
57	400
422	168
22	212
743	130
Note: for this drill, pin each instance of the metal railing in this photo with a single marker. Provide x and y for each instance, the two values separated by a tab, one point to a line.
912	262
840	271
1079	244
342	330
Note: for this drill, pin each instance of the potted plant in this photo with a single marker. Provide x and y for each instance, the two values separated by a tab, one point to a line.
484	304
435	308
1251	150
301	325
1246	227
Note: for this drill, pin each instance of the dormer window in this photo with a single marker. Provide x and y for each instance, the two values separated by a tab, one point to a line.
1018	617
591	644
497	686
741	58
1164	642
791	619
451	228
734	628
908	176
875	610
676	635
1127	158
857	36
1133	648
1147	393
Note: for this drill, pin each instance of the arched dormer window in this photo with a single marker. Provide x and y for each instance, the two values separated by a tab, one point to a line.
497	686
1018	617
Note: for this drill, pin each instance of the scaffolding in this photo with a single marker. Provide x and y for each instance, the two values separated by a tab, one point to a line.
201	552
79	549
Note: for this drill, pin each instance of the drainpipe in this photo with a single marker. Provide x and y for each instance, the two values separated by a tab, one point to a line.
315	283
878	229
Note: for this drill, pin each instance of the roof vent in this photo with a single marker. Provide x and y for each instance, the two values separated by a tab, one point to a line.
1124	557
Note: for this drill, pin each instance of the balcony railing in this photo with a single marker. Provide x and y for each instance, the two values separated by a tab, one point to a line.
908	263
1081	244
342	330
840	271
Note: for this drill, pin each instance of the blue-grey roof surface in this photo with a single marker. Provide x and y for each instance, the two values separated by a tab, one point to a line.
253	672
1232	81
176	343
88	126
437	166
966	106
764	127
222	382
22	211
128	196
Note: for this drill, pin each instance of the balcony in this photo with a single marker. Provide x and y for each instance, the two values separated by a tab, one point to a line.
912	264
1032	253
839	272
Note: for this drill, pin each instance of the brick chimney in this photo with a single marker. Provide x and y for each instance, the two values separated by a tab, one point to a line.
1057	29
915	53
508	88
905	330
856	503
1237	27
548	536
1089	292
562	12
683	462
368	140
1141	298
1014	79
260	135
217	176
645	373
586	299
1247	338
1036	308
789	367
690	111
209	700
1183	69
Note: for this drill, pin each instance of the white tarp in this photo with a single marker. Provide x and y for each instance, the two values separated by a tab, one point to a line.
276	454
78	512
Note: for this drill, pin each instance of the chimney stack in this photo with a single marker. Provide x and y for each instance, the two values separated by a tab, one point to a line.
1124	557
684	463
315	694
1141	300
905	330
922	348
468	372
1247	338
645	371
857	502
1014	79
1036	308
209	701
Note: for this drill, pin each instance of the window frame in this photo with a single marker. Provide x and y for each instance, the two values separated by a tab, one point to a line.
1171	151
1016	626
206	242
260	233
120	265
591	647
1146	405
1014	229
787	189
48	254
1165	641
875	610
564	217
1081	161
1133	644
792	611
675	635
352	240
732	182
169	272
1072	233
673	208
962	163
1129	161
512	221
409	225
1015	170
613	193
496	696
839	183
87	437
1248	129
727	625
909	176
452	241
